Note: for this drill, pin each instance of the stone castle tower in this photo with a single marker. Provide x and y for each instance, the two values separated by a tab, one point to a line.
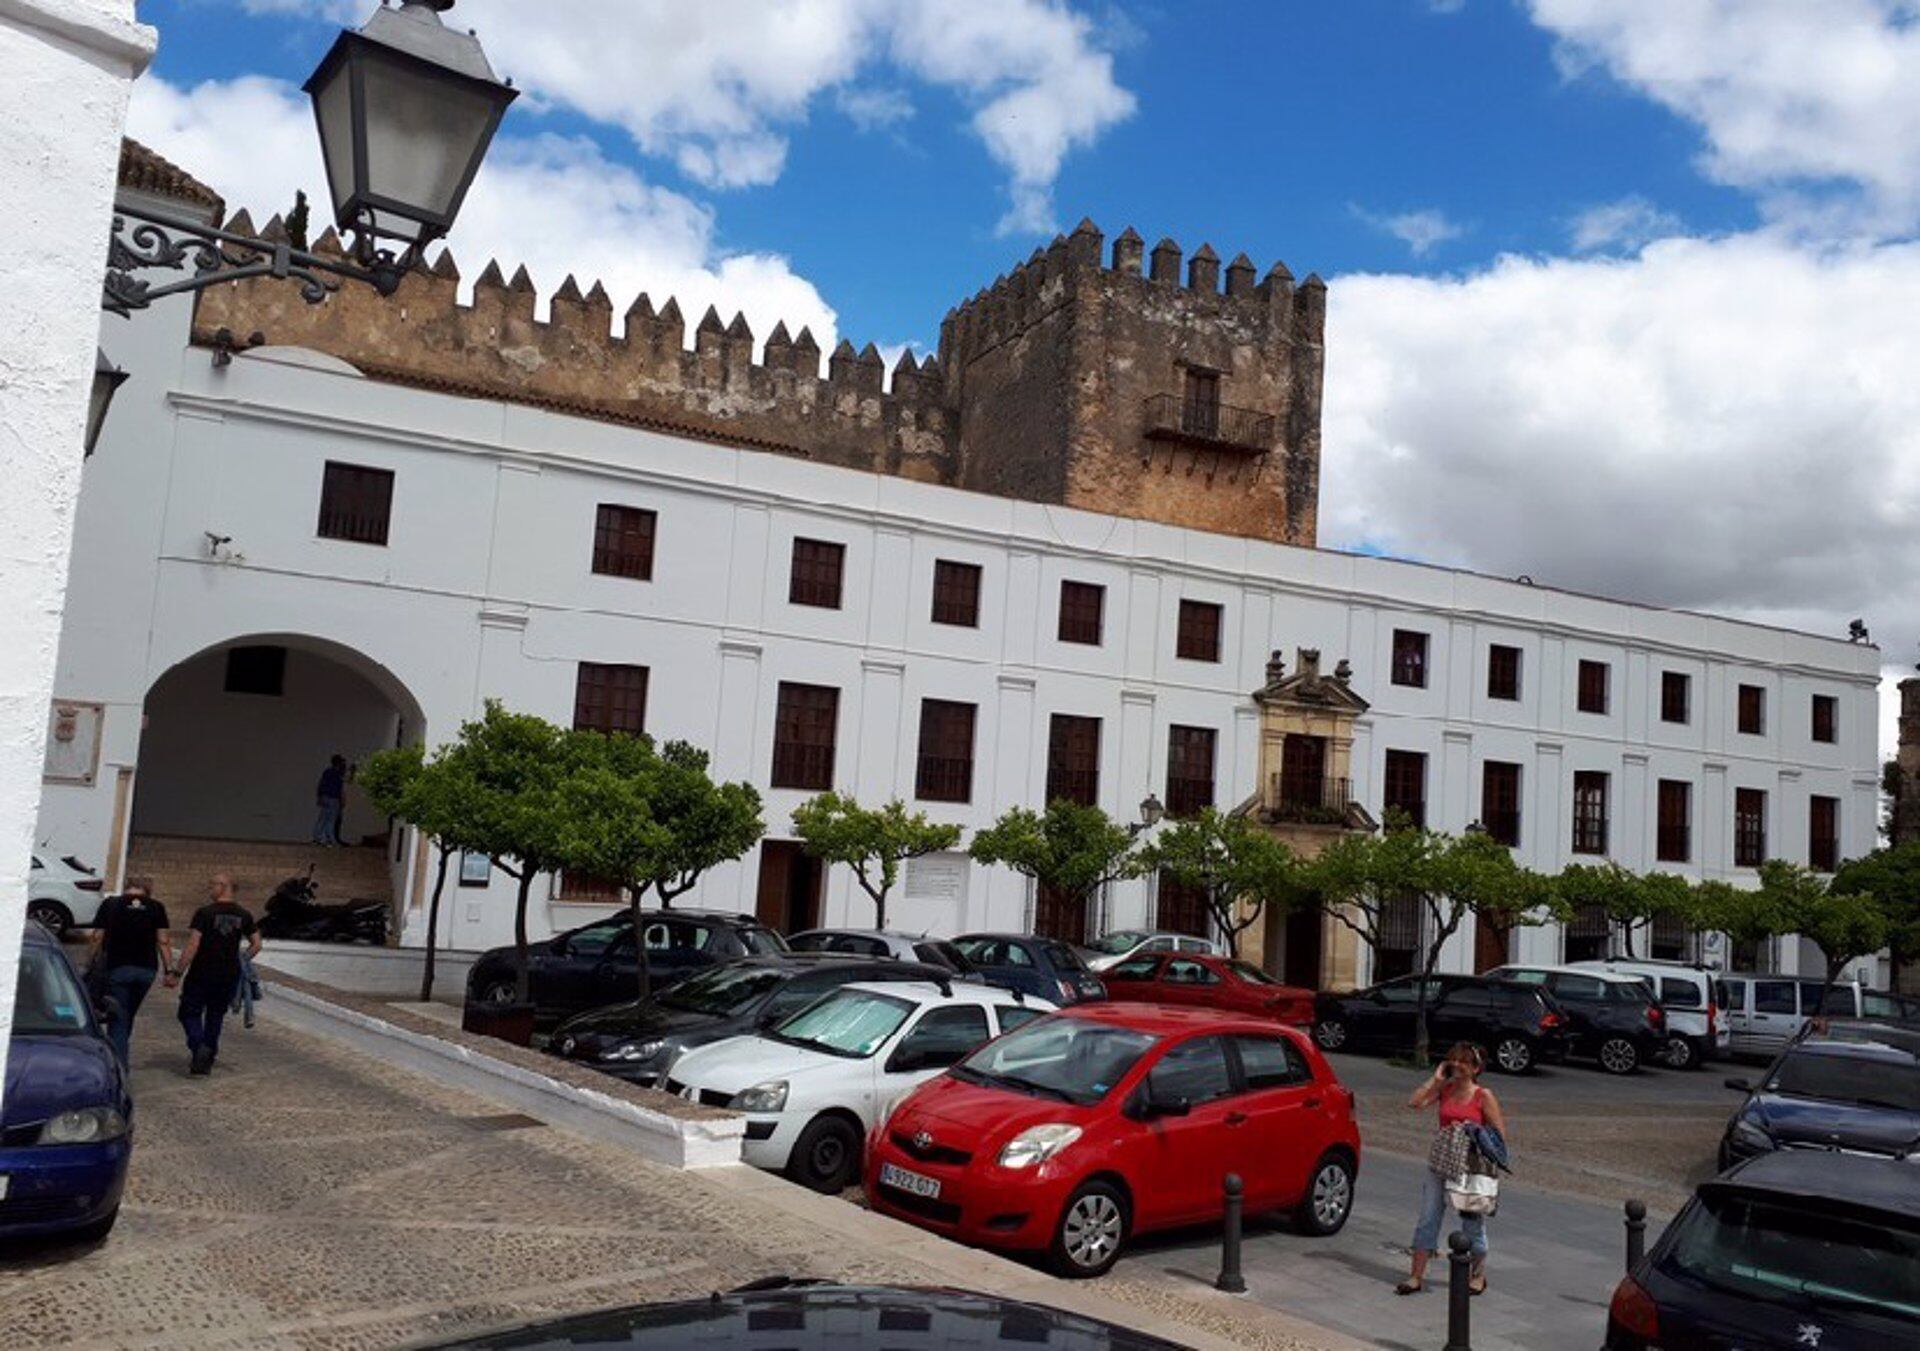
1110	380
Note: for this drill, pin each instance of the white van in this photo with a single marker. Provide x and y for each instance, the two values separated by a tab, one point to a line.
1697	1027
1765	1012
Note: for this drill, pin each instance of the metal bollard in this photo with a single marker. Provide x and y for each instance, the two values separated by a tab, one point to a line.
1230	1279
1636	1233
1459	1297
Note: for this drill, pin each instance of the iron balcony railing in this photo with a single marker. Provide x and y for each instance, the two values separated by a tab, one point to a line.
1173	418
1311	799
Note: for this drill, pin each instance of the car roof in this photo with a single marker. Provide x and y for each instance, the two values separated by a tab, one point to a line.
1818	1175
1884	1052
1658	963
1559	968
804	960
955	992
1164	1019
1866	1031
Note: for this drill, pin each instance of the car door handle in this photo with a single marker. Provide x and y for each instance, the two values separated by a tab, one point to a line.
1236	1118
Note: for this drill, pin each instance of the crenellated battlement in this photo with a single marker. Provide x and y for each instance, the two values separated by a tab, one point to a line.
1039	387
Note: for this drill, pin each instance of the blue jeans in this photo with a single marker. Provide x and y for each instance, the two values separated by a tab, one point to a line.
203	1007
326	826
127	986
1433	1210
242	1001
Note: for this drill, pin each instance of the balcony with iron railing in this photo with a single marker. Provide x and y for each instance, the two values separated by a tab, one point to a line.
1201	422
1310	799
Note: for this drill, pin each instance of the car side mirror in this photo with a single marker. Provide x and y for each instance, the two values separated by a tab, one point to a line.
558	947
1740	1085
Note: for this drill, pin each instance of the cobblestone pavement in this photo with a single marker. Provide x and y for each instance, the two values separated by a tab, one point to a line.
304	1196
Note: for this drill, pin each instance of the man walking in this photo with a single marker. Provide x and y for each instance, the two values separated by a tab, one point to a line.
130	947
211	963
331	798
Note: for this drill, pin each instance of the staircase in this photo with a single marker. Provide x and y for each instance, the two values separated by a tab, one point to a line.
180	867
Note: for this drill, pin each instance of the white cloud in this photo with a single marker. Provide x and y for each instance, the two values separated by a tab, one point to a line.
1814	106
596	219
718	85
1421	231
1627	224
874	107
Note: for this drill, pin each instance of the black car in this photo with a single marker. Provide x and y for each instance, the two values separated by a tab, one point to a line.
597	964
1044	967
1612	1018
1800	1249
802	1316
1516	1025
639	1040
1853	1089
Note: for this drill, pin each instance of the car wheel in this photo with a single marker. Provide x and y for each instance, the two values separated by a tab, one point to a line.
1087	1239
1513	1055
826	1157
1618	1055
1329	1198
1681	1055
499	992
1331	1033
51	916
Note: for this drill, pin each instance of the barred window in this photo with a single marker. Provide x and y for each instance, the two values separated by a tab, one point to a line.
1503	672
1589	934
804	721
1073	759
1405	788
356	503
956	594
1749	827
1594	678
610	698
1181	909
1081	607
1589	812
623	542
1673	837
817	568
944	772
1500	801
1190	752
1669	939
1410	658
1199	637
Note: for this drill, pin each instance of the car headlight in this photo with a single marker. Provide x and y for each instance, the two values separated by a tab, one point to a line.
1038	1144
768	1097
87	1126
1750	1138
633	1050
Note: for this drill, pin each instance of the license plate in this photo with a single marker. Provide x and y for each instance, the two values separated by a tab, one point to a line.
3	1186
893	1176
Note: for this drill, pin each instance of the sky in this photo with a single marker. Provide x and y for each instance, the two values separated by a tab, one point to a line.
1623	293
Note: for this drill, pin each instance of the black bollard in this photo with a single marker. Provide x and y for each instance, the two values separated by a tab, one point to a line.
1636	1233
1459	1297
1230	1279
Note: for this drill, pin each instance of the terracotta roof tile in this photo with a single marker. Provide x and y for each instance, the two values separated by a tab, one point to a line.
142	170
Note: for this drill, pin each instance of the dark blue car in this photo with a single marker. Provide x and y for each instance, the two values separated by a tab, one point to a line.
66	1122
1045	967
1855	1089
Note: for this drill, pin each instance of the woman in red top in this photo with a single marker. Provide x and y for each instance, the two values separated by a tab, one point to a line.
1456	1088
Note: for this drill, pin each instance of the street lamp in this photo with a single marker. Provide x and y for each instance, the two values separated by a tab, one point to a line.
406	109
107	379
1150	813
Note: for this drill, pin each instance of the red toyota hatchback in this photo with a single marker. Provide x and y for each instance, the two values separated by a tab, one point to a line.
1076	1131
1199	980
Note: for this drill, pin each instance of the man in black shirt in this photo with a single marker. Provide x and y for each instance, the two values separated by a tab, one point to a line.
130	947
212	966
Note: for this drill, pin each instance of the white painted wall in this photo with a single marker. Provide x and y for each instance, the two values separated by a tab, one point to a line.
485	590
64	70
246	766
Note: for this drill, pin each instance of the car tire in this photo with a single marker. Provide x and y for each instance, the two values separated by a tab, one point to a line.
51	916
1324	1210
1618	1055
1682	1054
1330	1034
1513	1055
500	992
826	1157
1090	1232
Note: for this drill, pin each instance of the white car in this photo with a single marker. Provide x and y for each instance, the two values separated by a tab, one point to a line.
61	892
1698	1028
813	1086
1109	951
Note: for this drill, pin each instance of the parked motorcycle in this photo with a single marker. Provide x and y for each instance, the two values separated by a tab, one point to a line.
294	912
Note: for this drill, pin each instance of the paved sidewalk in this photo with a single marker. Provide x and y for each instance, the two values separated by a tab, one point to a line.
305	1196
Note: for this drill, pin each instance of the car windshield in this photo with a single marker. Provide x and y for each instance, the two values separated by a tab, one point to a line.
47	1000
1249	972
725	990
1065	958
1876	1082
1126	940
1774	1251
852	1023
1073	1059
813	942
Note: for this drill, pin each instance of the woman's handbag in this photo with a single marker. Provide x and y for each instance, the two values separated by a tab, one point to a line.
1474	1193
1447	1158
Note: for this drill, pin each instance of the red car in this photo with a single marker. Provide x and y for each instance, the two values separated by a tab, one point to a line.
1209	982
1079	1130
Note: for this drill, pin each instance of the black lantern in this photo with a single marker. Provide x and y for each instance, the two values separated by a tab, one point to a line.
406	109
1151	811
107	378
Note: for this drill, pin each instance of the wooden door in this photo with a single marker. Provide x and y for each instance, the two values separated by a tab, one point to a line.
789	896
1490	943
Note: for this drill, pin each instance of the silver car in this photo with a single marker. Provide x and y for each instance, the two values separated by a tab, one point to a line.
1112	949
883	943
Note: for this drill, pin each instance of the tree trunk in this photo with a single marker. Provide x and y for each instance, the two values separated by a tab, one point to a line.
643	963
1627	929
433	926
880	911
522	982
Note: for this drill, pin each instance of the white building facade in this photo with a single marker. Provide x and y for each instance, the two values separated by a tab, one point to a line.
211	520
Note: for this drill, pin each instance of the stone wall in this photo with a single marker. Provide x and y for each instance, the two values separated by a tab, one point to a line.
1039	390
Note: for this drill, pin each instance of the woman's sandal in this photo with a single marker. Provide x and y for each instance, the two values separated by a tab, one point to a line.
1409	1287
1477	1286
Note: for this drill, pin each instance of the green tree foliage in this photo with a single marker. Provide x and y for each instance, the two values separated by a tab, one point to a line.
872	841
1630	900
1844	925
1893	876
1070	849
1746	915
1240	869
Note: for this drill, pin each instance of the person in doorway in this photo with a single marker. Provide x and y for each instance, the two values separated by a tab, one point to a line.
1463	1105
131	946
209	968
330	797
